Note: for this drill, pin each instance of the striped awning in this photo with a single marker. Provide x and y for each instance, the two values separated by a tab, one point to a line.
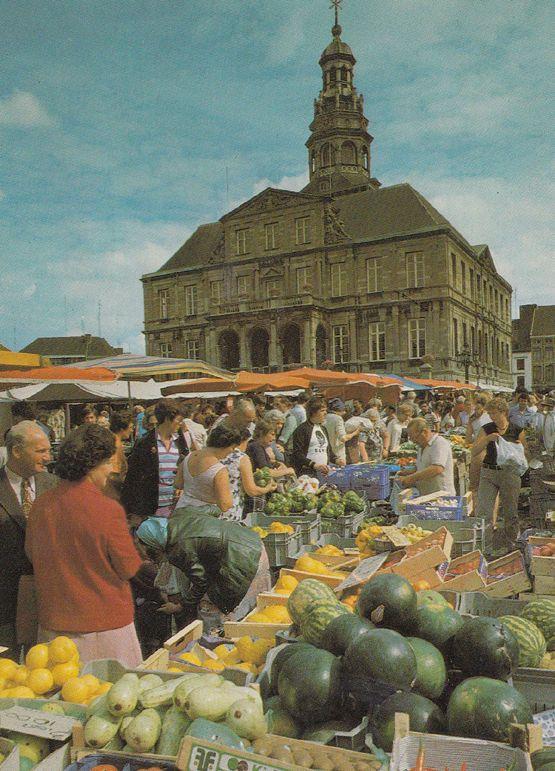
131	366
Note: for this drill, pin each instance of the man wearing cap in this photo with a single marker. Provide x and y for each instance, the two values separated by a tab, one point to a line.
335	426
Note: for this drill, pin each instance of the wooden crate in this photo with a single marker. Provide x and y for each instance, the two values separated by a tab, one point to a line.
300	575
513	584
544	585
235	629
541	566
472	581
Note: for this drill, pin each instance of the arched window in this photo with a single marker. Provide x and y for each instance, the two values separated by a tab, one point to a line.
365	160
313	161
348	153
327	155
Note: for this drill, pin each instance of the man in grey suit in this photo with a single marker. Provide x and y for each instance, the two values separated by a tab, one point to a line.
22	480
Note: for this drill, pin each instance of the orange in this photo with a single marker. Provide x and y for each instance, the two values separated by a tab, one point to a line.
105	687
37	657
61	650
75	691
20	675
40	680
63	672
8	668
92	683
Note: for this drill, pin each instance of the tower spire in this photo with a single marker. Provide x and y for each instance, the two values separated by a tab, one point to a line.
336	4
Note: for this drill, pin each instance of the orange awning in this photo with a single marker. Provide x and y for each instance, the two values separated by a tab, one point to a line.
57	374
454	384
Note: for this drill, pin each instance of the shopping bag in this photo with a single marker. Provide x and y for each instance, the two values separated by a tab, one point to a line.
510	456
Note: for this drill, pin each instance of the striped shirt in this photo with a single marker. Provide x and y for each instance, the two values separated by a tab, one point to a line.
167	468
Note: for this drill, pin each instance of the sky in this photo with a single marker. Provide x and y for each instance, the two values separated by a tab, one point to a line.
124	124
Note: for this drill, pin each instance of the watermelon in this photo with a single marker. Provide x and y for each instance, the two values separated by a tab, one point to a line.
424	717
304	593
342	631
317	615
437	623
381	657
283	655
543	758
389	601
542	614
484	708
430	595
485	647
309	686
531	642
431	672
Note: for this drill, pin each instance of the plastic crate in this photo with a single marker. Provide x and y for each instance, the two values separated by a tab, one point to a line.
432	511
538	686
375	491
310	524
479	604
279	546
345	526
357	476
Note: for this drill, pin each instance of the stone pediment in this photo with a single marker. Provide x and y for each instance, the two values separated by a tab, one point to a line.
484	256
269	200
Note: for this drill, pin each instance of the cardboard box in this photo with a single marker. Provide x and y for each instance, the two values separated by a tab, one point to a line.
472	580
541	566
507	576
195	754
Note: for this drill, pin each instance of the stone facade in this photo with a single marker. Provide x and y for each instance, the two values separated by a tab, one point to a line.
366	277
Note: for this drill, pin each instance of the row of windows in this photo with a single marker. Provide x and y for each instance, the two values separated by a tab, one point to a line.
376	341
348	156
477	288
192	350
488	347
271	235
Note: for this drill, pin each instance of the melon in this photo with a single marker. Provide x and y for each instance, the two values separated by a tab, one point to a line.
317	615
380	658
424	717
484	646
283	655
430	595
309	686
484	708
389	601
342	631
437	623
542	614
531	642
431	672
306	592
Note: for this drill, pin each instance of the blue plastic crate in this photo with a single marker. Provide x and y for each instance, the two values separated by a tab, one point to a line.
375	491
358	475
432	511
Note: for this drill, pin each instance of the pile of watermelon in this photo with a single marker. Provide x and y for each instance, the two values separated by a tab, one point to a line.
403	651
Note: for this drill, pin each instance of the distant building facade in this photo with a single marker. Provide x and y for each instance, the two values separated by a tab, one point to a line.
71	350
346	271
533	347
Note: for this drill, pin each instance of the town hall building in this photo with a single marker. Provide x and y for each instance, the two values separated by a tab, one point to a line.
346	272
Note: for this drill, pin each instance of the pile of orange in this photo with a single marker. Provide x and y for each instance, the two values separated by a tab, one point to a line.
48	667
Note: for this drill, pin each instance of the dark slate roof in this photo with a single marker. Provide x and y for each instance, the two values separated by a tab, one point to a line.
544	321
522	327
371	213
198	249
71	346
338	181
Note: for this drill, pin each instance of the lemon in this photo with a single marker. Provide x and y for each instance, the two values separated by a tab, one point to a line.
92	683
63	672
37	657
243	645
40	680
222	652
22	692
7	668
232	657
104	687
20	676
277	614
62	650
75	691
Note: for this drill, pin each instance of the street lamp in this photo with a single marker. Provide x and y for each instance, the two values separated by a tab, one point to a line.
467	358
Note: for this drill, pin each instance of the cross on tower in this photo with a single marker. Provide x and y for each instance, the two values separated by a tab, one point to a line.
336	4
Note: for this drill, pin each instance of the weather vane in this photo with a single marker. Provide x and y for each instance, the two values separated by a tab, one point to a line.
336	4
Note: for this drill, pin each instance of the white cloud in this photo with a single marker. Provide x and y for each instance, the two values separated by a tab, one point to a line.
2	195
23	109
513	218
294	182
29	291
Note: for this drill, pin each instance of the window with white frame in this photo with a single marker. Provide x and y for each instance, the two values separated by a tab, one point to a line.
304	279
417	338
165	350
190	300
164	303
338	279
192	349
273	287
241	241
243	285
374	274
415	269
271	235
216	291
376	335
302	230
340	338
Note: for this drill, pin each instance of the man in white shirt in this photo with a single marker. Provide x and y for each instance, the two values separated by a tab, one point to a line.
299	410
398	427
434	461
22	480
335	426
548	424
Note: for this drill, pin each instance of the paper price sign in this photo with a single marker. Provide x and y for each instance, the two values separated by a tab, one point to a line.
37	723
210	757
363	572
395	536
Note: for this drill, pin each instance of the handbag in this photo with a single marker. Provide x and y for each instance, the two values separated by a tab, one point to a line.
511	457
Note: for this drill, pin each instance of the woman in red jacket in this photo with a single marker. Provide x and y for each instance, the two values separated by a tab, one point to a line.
83	555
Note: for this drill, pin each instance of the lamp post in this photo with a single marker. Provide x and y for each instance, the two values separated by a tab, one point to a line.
467	358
